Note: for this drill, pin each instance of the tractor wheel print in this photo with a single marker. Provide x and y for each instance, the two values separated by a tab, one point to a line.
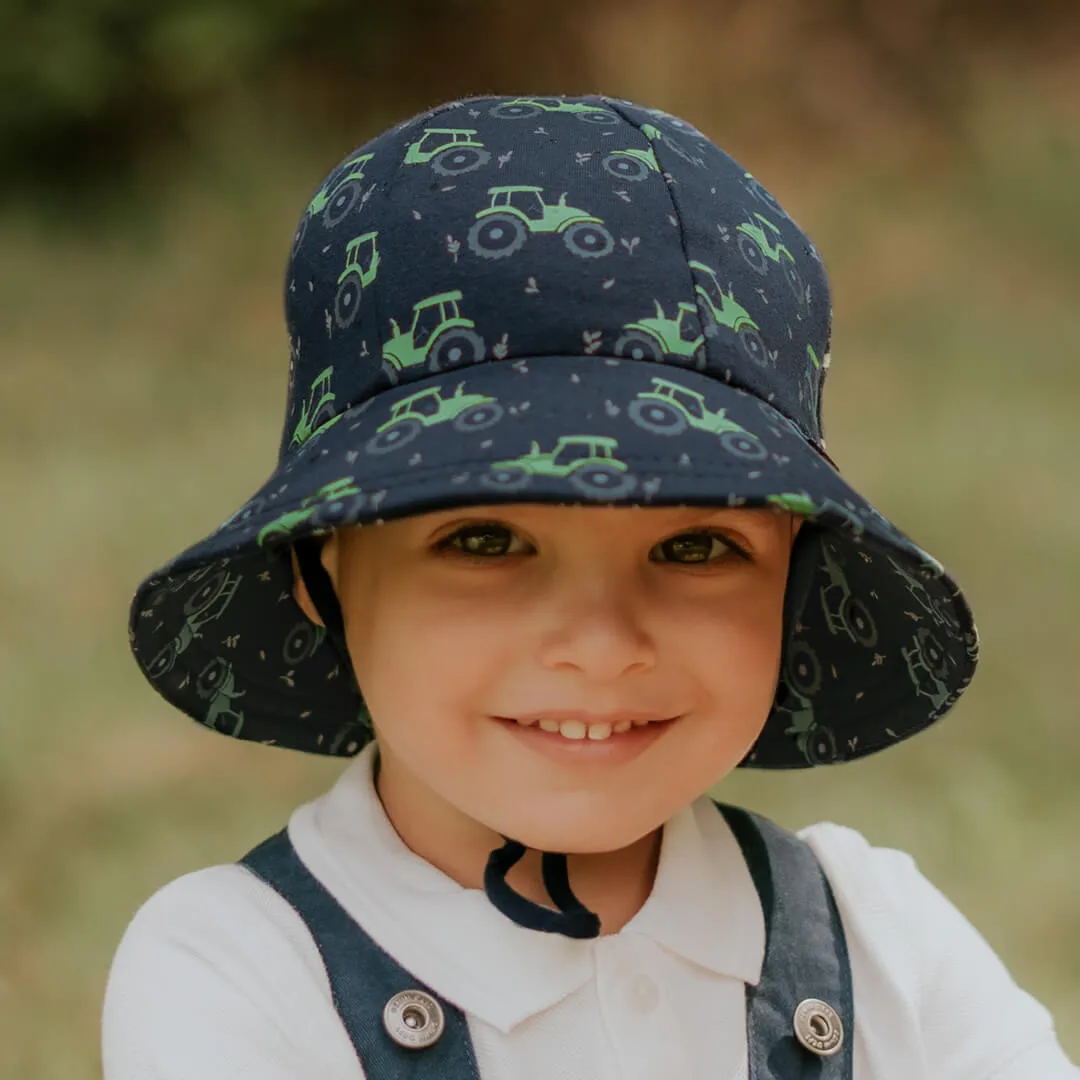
301	232
636	345
602	481
390	372
509	111
859	621
162	664
343	201
933	655
463	159
211	677
347	301
657	416
300	642
821	745
337	511
804	669
587	240
741	445
454	348
497	236
752	253
506	478
206	593
793	278
479	417
752	346
597	117
626	168
399	434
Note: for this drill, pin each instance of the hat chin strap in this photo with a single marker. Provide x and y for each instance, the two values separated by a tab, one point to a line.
573	919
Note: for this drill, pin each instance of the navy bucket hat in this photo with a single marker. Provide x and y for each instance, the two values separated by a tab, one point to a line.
564	300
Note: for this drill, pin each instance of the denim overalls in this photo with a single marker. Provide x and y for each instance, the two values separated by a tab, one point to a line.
799	1017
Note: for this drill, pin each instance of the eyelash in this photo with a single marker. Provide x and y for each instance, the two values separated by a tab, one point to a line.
447	544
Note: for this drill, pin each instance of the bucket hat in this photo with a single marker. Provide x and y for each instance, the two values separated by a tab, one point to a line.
564	300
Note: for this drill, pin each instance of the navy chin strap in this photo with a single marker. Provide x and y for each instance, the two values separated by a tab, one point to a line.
572	919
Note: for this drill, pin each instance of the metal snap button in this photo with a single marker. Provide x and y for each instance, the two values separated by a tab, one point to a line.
818	1027
413	1019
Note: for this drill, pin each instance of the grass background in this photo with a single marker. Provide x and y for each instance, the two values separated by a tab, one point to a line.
141	392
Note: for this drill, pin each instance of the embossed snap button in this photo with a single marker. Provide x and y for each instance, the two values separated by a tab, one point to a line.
643	993
413	1019
818	1027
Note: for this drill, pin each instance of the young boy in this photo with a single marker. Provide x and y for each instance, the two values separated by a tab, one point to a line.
553	544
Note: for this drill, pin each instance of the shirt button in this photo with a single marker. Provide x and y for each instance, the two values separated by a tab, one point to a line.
643	993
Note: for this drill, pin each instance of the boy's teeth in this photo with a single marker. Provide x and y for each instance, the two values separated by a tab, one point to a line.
577	729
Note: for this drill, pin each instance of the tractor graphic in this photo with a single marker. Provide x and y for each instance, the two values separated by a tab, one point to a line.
588	461
339	194
410	415
942	614
515	212
761	242
316	409
449	151
439	336
361	266
654	134
317	508
843	611
657	336
207	603
927	665
631	165
522	108
801	503
216	684
721	312
669	408
800	680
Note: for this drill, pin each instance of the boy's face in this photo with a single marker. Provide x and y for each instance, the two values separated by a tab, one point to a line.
460	622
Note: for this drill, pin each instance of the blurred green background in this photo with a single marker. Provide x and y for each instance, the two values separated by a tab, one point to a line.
154	160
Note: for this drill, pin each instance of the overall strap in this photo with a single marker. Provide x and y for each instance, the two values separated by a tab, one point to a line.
806	955
364	978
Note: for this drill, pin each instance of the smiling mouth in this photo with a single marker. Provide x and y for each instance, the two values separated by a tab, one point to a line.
576	730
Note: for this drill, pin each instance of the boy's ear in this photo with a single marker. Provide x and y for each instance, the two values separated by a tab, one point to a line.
328	557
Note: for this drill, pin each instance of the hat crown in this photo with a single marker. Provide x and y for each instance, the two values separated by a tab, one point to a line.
499	229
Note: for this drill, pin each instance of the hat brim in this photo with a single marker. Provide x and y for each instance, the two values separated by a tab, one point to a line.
879	640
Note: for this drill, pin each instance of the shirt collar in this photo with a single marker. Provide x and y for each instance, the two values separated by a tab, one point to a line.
703	906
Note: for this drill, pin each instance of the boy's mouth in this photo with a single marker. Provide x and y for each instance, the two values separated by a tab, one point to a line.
567	739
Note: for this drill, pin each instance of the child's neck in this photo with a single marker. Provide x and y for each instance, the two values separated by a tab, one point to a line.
613	884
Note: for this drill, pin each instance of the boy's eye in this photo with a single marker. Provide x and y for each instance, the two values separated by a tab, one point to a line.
696	547
482	540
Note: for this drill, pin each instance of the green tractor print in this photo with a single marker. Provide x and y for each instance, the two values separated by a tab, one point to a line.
439	337
523	108
632	165
927	665
337	197
800	503
361	266
449	151
316	410
760	243
503	227
216	684
207	603
801	680
330	497
669	408
941	614
588	461
657	336
409	416
654	134
721	312
844	612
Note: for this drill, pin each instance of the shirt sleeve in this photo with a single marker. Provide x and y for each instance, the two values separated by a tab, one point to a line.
975	1022
217	978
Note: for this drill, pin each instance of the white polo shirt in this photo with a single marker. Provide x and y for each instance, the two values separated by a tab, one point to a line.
217	977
